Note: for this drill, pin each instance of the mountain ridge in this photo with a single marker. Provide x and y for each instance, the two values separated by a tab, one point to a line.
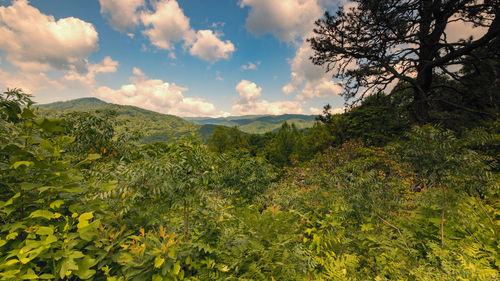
161	127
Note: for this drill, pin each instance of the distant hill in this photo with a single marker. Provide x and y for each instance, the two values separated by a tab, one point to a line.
83	104
154	126
163	127
257	124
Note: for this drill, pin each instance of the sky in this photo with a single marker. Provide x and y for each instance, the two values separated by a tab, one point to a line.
182	57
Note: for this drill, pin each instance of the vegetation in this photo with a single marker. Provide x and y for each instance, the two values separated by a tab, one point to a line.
339	201
259	124
153	126
371	194
156	127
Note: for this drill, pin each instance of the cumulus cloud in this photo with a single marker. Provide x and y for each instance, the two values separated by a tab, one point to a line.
157	95
210	48
167	24
30	82
107	65
250	66
287	20
307	79
121	14
318	111
36	42
249	102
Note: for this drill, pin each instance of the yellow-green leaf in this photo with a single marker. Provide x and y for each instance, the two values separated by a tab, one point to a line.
11	236
86	216
44	230
56	204
177	268
42	214
23	163
11	262
159	261
30	275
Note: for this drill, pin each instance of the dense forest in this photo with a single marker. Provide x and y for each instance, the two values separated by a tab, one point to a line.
395	188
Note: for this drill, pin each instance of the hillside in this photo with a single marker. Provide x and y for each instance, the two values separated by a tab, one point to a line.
153	125
257	124
82	104
161	127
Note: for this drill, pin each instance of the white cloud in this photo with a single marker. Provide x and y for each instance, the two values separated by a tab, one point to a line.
157	95
318	111
121	14
107	65
309	80
250	66
287	20
29	82
167	24
210	48
36	42
249	102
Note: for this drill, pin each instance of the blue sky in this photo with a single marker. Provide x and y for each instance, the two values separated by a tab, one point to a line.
188	58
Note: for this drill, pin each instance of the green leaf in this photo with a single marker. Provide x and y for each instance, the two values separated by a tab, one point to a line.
67	266
157	277
125	258
50	239
44	230
56	204
23	163
86	216
30	275
84	265
2	242
177	268
89	159
11	236
52	125
11	262
83	220
158	261
28	113
47	276
109	186
42	214
75	255
94	156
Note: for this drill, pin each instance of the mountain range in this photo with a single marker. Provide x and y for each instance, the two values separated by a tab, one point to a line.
157	126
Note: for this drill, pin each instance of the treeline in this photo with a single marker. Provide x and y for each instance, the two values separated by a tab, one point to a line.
378	120
360	196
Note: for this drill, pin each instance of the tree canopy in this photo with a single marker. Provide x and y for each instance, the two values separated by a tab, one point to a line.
373	44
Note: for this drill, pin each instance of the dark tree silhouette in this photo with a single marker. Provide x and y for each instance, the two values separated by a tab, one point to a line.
376	43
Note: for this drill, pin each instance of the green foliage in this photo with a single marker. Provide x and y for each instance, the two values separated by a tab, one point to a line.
224	139
258	124
153	126
288	205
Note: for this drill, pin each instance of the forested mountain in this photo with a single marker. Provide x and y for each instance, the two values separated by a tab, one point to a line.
257	124
81	104
161	127
153	126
